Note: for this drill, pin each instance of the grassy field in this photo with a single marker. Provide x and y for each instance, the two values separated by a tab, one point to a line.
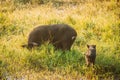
96	22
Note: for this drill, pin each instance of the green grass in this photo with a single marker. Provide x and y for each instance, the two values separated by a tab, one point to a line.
96	22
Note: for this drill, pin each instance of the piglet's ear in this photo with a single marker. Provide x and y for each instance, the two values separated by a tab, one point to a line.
87	46
94	46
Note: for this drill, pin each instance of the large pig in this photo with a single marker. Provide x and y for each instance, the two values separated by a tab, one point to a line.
61	36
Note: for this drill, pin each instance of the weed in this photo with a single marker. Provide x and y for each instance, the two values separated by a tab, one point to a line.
96	22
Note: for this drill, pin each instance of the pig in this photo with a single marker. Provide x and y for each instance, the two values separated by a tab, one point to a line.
61	36
90	55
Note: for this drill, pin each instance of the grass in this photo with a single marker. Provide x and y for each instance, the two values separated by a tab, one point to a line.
96	22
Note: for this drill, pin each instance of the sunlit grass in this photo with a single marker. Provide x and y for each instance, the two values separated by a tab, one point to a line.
95	22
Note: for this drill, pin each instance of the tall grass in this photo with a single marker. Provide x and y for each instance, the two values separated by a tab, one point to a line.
96	22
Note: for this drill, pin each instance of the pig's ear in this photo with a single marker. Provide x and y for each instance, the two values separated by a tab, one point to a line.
34	44
87	46
94	46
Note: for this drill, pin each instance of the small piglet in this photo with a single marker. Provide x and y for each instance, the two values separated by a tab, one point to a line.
90	55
